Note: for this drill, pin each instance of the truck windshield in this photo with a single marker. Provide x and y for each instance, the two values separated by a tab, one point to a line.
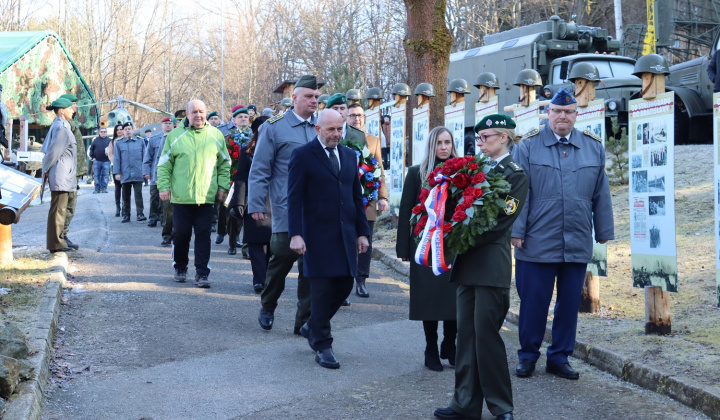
607	69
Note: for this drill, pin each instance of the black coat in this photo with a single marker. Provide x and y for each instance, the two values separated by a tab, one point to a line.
254	231
432	298
326	209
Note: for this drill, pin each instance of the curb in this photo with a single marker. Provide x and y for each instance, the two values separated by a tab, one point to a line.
27	402
682	389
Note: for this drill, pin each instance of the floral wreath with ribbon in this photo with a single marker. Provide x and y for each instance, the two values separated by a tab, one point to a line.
467	182
369	171
235	141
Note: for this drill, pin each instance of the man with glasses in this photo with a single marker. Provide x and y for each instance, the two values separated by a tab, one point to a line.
569	196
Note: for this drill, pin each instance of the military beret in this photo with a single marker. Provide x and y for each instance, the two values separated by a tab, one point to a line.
240	111
59	103
494	121
213	114
563	97
235	108
249	107
336	99
307	81
70	97
167	119
128	124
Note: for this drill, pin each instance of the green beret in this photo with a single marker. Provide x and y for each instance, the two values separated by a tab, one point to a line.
494	121
213	114
336	99
70	97
307	81
59	103
240	111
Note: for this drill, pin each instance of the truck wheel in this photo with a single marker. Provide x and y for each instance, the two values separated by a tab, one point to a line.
682	122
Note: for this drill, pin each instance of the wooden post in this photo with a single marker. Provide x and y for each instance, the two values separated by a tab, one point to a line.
584	91
373	103
657	311
527	95
590	297
8	137
652	85
486	93
456	98
6	254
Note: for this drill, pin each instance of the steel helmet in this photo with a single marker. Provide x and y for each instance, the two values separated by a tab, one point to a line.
459	86
286	102
487	79
584	70
651	63
373	93
425	89
401	89
528	77
354	94
323	98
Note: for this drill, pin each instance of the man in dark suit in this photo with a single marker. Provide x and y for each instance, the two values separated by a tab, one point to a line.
326	224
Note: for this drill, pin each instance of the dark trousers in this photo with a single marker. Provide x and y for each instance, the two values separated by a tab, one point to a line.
481	368
228	225
56	219
139	206
259	257
70	213
535	283
118	191
167	210
363	264
326	296
155	207
279	266
385	152
186	218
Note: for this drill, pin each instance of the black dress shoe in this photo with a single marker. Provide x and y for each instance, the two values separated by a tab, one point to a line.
232	251
562	370
360	289
505	416
447	351
126	219
152	223
245	255
219	239
266	319
70	244
66	249
525	368
326	358
304	331
258	288
346	302
166	242
141	217
449	414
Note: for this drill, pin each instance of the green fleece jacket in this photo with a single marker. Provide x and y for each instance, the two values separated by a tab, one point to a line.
194	165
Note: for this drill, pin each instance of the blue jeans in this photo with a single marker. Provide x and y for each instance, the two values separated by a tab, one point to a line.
101	171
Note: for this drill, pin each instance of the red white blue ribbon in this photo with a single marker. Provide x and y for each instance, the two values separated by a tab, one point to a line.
430	250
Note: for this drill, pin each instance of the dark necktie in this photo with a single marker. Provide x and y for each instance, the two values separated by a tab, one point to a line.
563	140
333	160
492	163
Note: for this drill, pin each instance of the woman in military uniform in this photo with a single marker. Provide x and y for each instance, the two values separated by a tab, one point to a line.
482	275
432	298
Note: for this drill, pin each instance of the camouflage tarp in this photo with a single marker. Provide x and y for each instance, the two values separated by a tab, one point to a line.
35	69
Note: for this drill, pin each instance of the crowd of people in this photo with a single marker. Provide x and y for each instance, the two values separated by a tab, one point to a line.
297	198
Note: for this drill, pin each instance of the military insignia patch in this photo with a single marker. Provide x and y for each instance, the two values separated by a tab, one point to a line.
275	118
592	135
511	205
531	133
515	167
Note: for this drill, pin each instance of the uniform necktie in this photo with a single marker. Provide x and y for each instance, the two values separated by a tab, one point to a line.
333	160
492	163
563	140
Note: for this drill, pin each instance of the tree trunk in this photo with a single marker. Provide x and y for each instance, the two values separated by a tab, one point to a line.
427	46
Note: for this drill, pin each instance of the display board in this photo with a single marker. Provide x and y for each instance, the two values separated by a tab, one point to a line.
592	119
716	198
527	118
455	122
372	121
652	192
17	188
421	128
483	109
397	156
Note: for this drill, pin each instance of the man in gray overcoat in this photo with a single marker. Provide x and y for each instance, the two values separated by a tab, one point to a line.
128	166
59	166
269	173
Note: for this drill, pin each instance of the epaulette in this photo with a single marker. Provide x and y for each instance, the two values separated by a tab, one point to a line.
533	132
515	167
275	119
591	134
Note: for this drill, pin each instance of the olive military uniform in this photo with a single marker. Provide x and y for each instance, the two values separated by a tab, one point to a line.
81	170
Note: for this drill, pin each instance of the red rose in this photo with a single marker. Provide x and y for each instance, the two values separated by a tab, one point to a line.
469	192
461	180
478	192
447	227
423	219
234	172
369	185
417	209
478	178
237	147
469	159
459	216
235	155
424	194
447	169
230	151
231	142
473	166
418	229
431	182
466	204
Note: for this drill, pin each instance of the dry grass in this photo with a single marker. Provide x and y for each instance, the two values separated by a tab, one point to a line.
23	281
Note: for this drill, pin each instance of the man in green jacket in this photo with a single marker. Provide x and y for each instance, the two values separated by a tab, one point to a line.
193	168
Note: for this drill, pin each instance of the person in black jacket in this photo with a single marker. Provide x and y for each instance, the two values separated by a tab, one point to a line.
101	162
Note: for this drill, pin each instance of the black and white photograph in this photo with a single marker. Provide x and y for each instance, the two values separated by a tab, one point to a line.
636	161
655	270
656	183
598	261
646	133
656	205
655	237
639	182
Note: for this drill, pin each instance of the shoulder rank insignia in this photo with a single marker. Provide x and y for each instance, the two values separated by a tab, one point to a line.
275	119
515	167
592	135
512	204
533	132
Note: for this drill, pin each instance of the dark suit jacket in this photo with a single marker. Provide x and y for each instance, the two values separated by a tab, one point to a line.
326	210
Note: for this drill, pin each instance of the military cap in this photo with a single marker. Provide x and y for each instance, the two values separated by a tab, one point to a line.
167	119
324	98
235	108
249	107
286	102
180	113
213	114
494	121
563	97
373	93
240	111
59	103
128	124
336	99
70	97
307	81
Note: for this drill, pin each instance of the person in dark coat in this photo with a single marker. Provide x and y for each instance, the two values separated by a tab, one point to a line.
432	298
483	275
713	69
327	226
256	233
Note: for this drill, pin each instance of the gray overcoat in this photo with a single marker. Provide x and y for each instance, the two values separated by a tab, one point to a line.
152	155
60	160
128	159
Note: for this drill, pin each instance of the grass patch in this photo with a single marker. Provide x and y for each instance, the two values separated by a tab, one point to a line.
21	286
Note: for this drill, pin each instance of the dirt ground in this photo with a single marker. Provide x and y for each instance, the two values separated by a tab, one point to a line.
693	348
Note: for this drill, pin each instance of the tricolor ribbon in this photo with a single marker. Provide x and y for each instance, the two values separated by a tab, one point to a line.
432	237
